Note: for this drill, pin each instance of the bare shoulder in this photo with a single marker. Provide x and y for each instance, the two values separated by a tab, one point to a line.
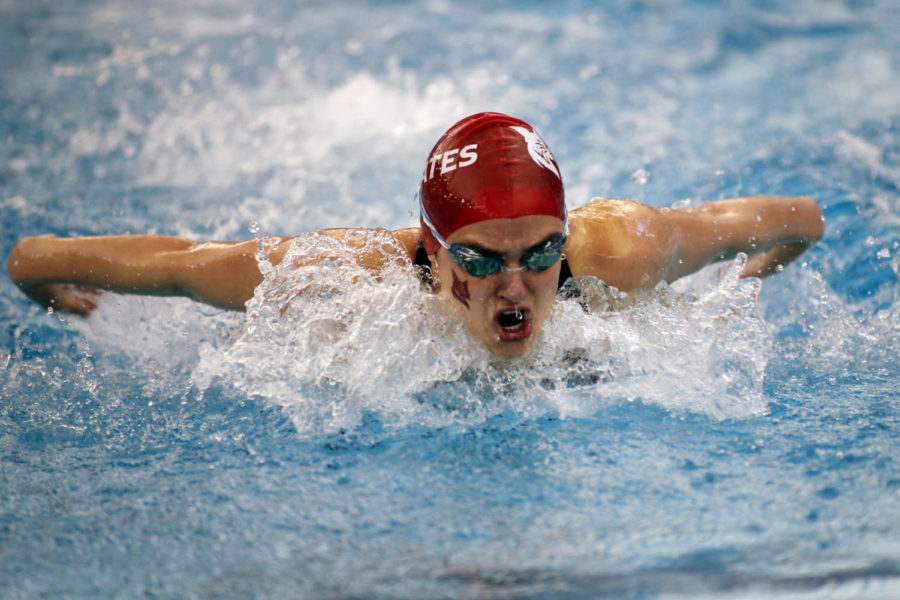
409	240
614	224
609	207
618	241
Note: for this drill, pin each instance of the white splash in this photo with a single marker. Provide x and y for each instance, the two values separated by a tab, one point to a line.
329	342
703	353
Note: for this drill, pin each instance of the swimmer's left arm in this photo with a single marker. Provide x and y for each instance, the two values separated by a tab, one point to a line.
631	245
771	230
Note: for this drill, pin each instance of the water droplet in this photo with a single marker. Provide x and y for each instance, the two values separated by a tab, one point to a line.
641	176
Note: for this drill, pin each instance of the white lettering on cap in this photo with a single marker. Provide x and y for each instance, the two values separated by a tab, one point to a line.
457	158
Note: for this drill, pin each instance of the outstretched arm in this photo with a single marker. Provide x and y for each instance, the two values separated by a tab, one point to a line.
771	230
61	272
65	273
632	245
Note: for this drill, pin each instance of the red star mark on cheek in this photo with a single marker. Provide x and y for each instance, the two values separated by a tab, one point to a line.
460	290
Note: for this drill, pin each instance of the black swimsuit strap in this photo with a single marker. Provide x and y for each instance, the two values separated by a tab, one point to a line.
565	273
421	261
423	265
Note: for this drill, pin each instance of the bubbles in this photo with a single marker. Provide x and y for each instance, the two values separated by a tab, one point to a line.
823	335
327	340
330	342
702	353
641	176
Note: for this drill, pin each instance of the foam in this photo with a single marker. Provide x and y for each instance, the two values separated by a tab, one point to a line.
330	343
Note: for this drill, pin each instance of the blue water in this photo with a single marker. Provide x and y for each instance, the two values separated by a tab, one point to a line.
716	439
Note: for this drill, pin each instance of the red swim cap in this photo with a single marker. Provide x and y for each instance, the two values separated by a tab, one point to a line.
488	166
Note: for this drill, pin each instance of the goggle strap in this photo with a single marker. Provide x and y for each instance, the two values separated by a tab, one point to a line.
431	227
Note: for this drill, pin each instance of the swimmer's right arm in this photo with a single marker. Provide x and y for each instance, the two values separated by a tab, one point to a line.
65	273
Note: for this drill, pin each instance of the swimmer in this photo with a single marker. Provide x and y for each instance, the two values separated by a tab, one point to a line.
494	240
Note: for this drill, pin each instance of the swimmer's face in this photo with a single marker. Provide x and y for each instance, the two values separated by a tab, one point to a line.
504	311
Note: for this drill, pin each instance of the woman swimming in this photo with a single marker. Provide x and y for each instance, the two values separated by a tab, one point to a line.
495	239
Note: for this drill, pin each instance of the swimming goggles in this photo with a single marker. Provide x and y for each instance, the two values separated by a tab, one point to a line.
479	262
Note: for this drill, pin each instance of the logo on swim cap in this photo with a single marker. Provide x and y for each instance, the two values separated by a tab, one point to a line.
538	150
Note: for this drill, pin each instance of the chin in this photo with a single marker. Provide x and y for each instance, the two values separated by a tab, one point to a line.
509	350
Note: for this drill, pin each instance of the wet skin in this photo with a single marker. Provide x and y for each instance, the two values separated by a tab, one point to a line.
486	304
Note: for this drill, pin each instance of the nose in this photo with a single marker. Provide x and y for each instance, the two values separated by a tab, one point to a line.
511	287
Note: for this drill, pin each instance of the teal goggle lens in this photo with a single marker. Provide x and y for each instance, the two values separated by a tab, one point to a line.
481	263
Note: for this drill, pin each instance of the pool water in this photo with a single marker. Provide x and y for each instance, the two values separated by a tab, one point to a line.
719	438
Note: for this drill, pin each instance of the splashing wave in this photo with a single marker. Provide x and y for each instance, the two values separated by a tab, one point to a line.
330	342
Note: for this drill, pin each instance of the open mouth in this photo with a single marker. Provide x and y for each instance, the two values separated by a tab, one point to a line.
513	324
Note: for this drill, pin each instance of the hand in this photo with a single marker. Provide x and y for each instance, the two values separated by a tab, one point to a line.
773	260
64	297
